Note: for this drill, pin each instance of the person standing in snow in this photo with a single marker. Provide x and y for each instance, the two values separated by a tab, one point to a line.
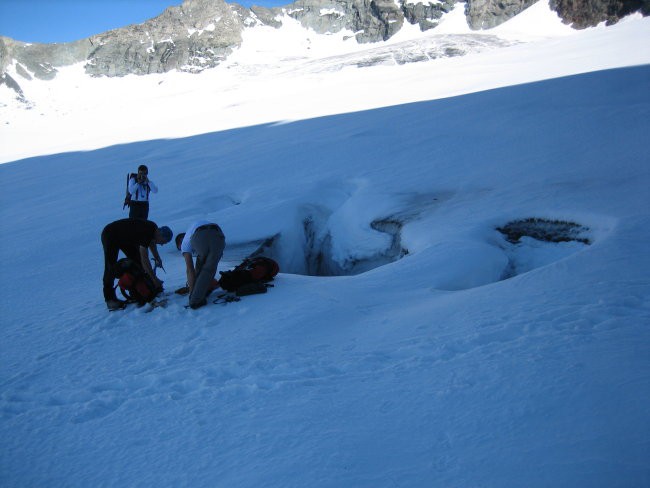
139	188
205	240
134	237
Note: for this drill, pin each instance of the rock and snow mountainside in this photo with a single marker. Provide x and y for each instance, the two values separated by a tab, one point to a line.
201	34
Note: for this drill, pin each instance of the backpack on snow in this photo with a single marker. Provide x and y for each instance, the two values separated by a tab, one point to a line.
134	284
249	277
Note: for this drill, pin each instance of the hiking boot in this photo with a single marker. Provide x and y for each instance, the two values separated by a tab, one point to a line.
199	304
115	305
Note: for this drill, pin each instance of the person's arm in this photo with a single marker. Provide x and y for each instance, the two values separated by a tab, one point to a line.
146	265
189	266
133	185
154	251
152	186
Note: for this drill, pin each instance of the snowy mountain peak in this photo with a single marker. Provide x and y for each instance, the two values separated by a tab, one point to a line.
201	34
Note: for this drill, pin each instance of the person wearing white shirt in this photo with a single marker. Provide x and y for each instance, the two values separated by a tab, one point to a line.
139	188
206	241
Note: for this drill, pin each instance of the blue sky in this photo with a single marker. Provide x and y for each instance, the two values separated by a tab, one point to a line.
70	20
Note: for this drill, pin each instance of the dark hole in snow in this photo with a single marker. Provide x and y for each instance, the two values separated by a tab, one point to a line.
310	252
532	243
544	230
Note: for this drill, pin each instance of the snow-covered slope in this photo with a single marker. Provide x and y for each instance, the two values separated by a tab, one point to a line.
292	74
468	361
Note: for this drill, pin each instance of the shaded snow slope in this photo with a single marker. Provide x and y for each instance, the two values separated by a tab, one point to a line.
470	361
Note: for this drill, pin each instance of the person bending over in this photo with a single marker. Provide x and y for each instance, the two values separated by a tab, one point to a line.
135	238
206	241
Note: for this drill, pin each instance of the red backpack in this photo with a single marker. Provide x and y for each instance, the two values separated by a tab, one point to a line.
257	270
134	284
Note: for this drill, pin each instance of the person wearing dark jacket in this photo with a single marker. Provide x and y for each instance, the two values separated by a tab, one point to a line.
135	238
139	188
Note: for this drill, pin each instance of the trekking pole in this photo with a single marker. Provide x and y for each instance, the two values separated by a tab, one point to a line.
127	191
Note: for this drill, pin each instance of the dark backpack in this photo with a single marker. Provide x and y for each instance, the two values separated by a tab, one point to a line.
250	276
134	284
127	198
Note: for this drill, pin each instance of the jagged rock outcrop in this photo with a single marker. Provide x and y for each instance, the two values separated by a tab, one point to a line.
589	13
486	14
197	35
42	59
12	85
369	20
200	34
427	14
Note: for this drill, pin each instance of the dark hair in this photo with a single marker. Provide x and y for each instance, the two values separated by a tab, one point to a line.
143	167
179	240
166	233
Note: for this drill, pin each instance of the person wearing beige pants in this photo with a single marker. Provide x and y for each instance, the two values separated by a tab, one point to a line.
206	241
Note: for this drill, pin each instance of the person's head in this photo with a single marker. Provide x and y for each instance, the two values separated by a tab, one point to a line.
179	240
163	235
143	171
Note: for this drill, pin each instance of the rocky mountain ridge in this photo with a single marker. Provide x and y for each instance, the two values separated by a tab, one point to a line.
200	34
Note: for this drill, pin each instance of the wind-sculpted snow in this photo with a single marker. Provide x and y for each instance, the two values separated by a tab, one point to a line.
321	246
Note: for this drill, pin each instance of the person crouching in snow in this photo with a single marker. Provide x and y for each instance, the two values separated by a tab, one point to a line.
205	240
134	237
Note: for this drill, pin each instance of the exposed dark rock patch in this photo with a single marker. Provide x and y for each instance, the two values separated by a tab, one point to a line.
10	83
588	13
549	241
485	14
544	230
